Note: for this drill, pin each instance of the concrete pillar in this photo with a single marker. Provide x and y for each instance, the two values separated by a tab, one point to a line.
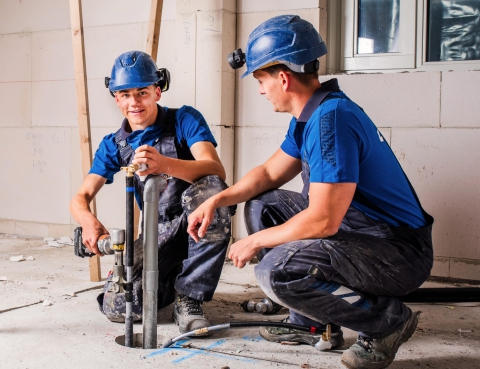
206	32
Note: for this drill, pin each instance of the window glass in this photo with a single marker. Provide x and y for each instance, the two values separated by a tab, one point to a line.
453	30
378	26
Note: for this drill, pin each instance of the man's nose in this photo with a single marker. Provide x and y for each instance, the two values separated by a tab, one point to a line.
134	99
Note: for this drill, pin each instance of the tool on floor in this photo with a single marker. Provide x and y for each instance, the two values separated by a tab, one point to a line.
322	344
265	306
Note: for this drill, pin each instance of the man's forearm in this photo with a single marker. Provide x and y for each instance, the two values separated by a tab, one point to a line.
80	209
192	170
252	184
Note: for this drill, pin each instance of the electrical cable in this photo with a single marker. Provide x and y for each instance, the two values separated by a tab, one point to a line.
219	327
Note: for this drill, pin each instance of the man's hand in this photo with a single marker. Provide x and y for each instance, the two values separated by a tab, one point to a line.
200	219
149	155
91	231
243	251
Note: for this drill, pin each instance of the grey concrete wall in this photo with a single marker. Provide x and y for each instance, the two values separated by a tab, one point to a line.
430	119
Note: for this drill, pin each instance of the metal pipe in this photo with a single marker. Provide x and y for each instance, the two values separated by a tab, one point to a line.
153	186
129	260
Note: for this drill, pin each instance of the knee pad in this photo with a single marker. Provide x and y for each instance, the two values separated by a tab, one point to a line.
114	305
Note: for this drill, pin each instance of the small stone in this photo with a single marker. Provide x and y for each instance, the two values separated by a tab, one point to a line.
47	303
4	278
30	258
17	258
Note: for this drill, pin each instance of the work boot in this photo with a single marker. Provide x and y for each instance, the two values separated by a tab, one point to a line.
370	353
188	314
280	334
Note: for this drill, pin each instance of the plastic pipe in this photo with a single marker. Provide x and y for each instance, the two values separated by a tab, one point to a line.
454	294
153	186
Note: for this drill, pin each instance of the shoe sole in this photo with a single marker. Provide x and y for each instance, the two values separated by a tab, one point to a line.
294	337
404	337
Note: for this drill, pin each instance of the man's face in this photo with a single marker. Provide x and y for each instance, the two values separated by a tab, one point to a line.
139	105
272	88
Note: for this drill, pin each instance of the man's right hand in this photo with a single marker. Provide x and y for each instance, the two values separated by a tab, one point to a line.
92	229
200	219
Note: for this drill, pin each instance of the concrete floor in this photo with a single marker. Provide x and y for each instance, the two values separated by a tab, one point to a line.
72	333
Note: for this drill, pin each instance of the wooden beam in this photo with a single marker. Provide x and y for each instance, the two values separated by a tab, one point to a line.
154	28
83	110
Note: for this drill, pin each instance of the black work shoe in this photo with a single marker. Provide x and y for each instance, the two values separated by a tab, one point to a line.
369	353
280	334
188	315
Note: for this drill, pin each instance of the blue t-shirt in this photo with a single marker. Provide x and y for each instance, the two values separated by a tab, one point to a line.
341	144
190	128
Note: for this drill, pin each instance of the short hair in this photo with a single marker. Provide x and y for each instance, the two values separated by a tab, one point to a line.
305	79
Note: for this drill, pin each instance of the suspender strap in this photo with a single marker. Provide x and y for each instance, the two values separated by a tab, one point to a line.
124	148
318	97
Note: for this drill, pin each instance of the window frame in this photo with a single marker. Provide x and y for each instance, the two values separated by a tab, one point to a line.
342	40
422	40
351	60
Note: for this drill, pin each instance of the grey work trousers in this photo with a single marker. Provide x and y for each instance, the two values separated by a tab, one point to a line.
363	268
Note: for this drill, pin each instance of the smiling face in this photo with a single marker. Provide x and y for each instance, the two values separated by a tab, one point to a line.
139	105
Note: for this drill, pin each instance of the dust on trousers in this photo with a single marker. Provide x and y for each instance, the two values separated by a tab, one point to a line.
192	268
360	270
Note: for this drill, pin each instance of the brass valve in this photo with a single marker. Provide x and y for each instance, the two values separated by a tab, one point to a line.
132	168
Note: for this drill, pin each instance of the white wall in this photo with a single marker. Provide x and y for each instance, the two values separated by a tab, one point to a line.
431	119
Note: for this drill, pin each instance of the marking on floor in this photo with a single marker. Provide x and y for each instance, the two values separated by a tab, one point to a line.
254	337
198	351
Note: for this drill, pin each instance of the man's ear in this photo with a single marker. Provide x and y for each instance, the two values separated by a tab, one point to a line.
116	98
285	79
158	93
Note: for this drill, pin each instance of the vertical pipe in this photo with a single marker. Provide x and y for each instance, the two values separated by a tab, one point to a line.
153	186
129	261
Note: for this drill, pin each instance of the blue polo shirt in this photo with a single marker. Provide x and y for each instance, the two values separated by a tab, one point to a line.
341	144
190	128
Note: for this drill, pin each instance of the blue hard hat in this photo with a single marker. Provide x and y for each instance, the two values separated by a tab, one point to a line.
133	69
283	39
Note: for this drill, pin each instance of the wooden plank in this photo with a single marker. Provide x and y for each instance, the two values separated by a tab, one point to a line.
154	28
83	110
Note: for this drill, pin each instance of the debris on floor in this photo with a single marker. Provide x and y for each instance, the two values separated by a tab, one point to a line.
60	242
17	258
